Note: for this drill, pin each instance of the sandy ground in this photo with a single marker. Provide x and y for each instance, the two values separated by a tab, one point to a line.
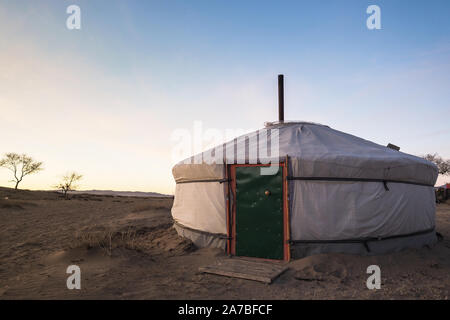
127	249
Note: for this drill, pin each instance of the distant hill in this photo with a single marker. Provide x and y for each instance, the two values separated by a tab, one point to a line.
51	193
121	193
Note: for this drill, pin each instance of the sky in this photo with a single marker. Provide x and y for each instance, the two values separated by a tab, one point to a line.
105	100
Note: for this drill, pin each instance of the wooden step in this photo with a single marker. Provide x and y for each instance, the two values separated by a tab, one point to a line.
246	268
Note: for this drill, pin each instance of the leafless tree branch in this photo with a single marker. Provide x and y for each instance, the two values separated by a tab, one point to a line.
442	164
68	183
21	165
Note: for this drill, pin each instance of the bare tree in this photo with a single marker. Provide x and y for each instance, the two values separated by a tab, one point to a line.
68	182
21	165
442	164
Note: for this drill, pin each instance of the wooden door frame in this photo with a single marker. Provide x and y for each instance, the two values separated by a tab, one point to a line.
231	209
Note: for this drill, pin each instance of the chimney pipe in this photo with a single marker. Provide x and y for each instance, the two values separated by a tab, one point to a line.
280	98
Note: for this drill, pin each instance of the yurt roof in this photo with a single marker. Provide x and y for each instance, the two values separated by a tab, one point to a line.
317	150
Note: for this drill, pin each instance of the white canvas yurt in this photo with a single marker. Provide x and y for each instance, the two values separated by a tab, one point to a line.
294	189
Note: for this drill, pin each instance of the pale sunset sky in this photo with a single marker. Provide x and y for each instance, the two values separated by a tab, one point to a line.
104	100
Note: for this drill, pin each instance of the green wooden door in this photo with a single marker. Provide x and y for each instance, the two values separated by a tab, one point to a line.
259	213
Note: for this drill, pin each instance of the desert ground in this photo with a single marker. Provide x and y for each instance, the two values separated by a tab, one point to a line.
127	249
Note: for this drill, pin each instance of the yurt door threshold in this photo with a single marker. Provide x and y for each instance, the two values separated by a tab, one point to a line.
258	211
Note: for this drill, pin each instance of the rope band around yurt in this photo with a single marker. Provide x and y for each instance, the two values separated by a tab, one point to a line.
364	241
206	233
384	181
206	180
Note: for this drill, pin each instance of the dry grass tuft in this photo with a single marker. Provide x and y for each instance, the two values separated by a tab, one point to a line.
160	239
157	204
15	204
106	239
